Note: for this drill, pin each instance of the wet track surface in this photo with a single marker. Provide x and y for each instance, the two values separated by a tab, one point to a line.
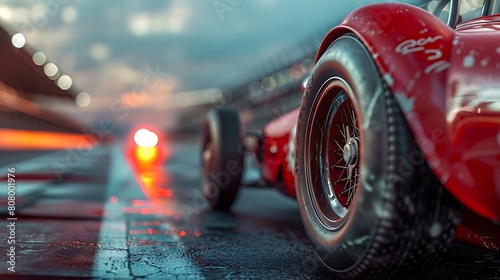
115	217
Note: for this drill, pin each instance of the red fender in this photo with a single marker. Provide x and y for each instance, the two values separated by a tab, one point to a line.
412	49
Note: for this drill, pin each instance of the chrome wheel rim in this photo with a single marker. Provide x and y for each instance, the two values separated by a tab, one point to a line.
334	154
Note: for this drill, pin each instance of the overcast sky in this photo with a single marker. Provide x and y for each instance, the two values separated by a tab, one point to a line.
109	47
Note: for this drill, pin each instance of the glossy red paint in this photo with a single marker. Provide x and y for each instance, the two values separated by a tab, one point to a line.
279	146
447	83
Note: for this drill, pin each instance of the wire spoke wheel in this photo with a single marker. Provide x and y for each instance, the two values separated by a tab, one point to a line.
335	156
365	219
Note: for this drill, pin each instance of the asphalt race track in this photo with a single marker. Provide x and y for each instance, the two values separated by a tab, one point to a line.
111	216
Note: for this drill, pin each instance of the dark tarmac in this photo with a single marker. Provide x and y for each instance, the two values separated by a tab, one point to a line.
113	216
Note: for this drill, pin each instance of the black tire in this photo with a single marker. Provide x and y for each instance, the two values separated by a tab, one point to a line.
398	219
222	157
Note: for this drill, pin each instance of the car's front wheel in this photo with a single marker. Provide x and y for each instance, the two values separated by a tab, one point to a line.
368	200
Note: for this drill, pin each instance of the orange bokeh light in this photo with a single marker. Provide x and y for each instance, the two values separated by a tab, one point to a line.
13	139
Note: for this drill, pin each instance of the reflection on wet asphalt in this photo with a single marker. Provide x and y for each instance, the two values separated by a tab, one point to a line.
140	219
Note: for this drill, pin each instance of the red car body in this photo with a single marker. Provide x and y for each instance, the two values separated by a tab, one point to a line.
447	83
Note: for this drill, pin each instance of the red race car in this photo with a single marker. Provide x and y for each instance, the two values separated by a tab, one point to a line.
395	149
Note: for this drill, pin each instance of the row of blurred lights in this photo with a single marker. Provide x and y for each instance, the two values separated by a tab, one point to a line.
63	81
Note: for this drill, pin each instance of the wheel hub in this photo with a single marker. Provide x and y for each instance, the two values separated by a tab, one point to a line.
351	152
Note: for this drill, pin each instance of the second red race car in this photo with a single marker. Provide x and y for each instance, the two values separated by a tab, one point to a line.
395	149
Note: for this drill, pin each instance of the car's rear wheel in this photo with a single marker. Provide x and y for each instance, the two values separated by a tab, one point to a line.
369	202
222	157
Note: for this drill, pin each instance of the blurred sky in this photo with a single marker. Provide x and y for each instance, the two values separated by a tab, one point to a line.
109	47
